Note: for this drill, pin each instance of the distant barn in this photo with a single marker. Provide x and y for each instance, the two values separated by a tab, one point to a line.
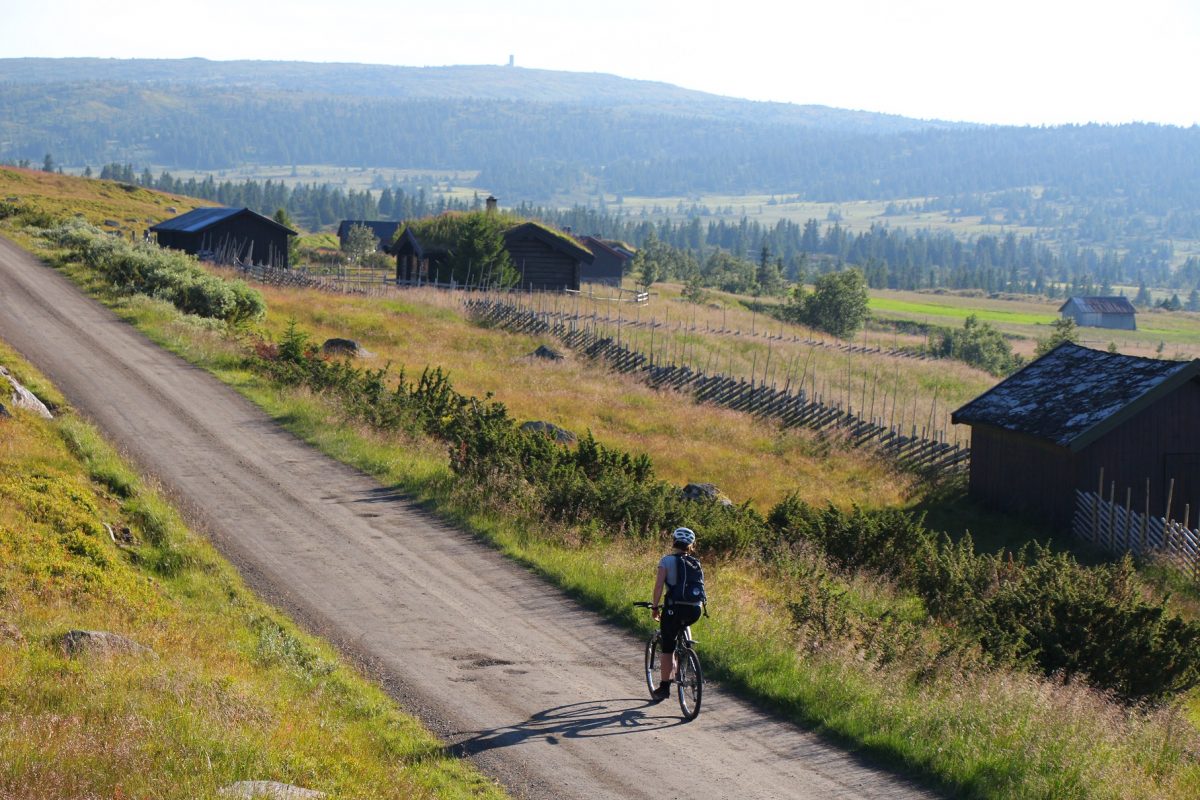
1101	312
383	230
225	234
1050	428
608	267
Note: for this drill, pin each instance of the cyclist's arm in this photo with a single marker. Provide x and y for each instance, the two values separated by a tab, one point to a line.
659	582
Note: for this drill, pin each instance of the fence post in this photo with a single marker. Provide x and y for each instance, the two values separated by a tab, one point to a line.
1146	519
1095	532
1112	516
1125	534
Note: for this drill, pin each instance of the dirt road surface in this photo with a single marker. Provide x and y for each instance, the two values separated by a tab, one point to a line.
542	695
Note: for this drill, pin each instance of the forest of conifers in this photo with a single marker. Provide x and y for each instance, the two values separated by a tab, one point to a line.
1108	202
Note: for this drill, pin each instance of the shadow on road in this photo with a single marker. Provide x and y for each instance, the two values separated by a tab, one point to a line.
576	721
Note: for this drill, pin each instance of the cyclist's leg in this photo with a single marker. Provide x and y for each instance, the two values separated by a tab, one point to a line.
669	635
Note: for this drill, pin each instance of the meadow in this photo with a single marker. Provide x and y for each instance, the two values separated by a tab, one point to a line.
844	651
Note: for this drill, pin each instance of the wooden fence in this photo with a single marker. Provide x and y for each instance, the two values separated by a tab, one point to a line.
1118	528
914	449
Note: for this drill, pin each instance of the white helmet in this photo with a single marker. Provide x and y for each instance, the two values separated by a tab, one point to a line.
684	536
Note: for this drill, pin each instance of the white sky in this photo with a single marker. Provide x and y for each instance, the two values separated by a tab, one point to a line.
1015	61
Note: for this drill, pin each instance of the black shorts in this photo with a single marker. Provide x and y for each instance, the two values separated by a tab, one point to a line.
673	620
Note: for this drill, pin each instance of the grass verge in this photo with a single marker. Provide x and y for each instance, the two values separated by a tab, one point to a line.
230	691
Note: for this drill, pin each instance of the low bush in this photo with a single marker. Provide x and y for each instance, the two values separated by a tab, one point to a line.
144	268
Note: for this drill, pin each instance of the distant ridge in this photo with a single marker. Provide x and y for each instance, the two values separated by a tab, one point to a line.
481	82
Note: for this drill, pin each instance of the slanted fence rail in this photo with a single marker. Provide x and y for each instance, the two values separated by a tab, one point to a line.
914	449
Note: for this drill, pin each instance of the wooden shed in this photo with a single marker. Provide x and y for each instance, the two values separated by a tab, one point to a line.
608	267
1049	429
1101	312
545	259
418	261
225	234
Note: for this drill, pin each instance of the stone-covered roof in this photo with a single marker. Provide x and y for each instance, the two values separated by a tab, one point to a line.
1073	395
1100	305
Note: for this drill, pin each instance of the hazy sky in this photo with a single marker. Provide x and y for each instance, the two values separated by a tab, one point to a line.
1017	61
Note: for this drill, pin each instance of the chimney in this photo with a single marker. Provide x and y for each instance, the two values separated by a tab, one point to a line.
491	204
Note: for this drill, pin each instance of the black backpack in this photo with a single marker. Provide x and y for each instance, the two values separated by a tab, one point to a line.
689	581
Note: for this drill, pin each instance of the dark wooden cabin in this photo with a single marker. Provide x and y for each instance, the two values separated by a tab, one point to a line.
545	259
383	230
1050	428
419	261
608	267
1101	312
225	234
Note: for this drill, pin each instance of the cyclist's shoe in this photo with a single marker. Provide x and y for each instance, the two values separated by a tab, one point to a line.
662	692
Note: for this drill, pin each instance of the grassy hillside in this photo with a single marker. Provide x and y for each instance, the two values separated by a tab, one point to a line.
847	651
230	689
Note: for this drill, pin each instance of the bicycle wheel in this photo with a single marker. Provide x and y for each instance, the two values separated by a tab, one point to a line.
652	664
690	681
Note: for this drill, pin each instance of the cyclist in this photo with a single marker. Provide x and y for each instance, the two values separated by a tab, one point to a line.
675	615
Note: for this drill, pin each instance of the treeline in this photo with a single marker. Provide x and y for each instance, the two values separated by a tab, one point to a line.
893	258
313	205
726	252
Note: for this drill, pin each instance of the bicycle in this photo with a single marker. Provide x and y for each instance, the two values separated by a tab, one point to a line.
689	678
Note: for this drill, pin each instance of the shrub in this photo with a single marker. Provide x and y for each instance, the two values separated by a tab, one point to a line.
145	268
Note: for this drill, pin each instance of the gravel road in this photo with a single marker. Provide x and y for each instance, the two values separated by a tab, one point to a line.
541	694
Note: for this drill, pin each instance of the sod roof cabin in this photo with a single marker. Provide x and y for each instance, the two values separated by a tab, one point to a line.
541	258
1049	429
225	235
1101	312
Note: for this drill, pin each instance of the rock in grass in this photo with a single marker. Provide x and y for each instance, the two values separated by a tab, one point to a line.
548	353
270	790
9	633
343	347
4	412
704	491
560	435
100	643
23	398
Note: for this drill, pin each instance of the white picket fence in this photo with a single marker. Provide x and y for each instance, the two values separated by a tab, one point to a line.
1118	528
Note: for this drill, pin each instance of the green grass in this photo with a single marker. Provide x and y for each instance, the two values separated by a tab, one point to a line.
956	313
233	690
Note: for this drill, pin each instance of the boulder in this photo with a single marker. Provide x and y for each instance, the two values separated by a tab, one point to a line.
548	353
270	790
172	210
343	347
560	435
4	412
10	633
111	223
23	398
99	643
704	491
